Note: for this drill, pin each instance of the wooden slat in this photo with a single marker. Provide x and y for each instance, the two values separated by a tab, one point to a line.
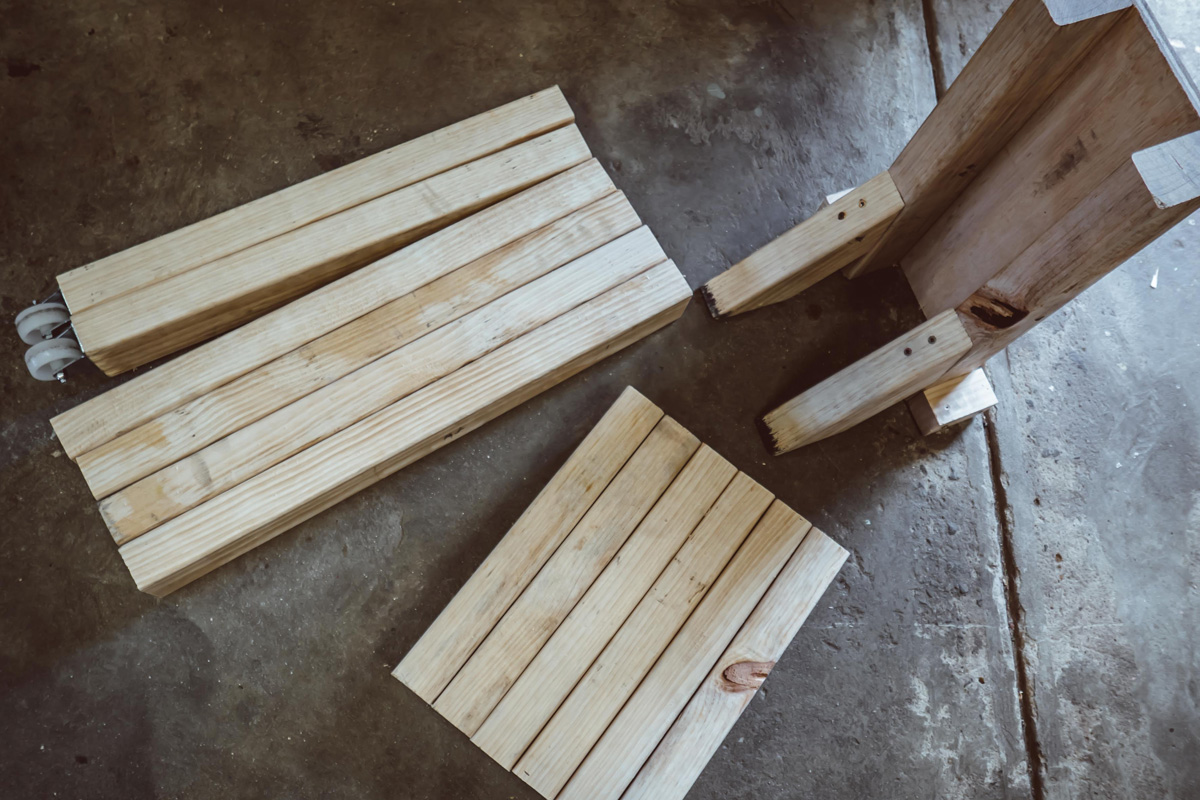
192	306
871	384
334	191
215	532
951	400
179	433
1014	71
1171	170
581	720
448	643
730	686
838	234
535	615
549	678
222	465
626	744
214	364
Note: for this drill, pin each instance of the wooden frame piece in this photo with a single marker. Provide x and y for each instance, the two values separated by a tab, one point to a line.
951	401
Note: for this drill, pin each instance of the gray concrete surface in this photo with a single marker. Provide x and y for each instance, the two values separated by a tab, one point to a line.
725	122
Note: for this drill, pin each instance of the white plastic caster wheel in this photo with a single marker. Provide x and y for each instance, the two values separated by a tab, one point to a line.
36	323
49	357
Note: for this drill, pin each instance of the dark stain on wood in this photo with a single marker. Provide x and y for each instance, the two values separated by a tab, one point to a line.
1067	164
992	311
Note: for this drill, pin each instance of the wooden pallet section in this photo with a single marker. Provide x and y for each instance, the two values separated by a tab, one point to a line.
274	422
646	580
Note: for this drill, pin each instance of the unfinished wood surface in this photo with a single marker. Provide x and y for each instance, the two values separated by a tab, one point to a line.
565	657
1067	12
696	735
1122	99
279	498
192	306
643	721
1175	25
295	206
951	400
612	678
1171	170
531	620
218	362
241	455
835	236
172	436
871	384
442	650
1015	70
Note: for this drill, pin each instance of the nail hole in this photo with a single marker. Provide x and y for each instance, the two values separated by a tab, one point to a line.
841	215
908	351
932	339
862	203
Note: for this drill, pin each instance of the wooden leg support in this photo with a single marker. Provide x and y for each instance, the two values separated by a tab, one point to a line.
839	233
951	400
862	390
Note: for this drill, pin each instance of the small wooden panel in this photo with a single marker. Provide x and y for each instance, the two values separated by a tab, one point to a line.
622	647
226	358
862	390
314	199
195	305
838	234
951	400
708	717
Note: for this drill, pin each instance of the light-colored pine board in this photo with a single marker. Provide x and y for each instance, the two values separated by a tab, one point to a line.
243	454
442	650
165	440
835	236
566	656
218	362
643	721
951	400
195	305
1171	170
696	735
314	199
1019	65
1068	12
551	596
595	701
215	532
871	384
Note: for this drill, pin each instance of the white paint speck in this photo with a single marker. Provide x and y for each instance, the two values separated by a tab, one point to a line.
716	91
1154	280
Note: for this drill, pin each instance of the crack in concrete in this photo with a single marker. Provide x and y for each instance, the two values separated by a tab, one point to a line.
1016	612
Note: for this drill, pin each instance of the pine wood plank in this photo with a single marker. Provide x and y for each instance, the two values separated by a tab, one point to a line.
313	199
550	597
643	721
836	235
275	500
448	643
170	437
195	305
241	455
215	363
565	657
1171	170
951	400
871	384
1015	70
595	701
730	686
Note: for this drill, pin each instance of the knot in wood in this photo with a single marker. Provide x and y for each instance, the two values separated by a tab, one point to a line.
745	675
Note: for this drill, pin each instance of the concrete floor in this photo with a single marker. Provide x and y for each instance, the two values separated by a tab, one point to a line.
1072	514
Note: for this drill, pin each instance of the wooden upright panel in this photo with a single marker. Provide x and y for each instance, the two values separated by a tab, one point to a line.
314	199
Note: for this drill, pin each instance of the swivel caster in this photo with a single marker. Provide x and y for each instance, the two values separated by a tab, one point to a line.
38	322
48	358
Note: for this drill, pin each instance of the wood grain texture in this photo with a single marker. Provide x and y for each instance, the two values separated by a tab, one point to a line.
566	656
314	199
222	360
172	436
442	650
838	234
1171	170
1014	71
643	721
709	716
195	305
862	390
239	456
275	500
951	401
612	678
551	596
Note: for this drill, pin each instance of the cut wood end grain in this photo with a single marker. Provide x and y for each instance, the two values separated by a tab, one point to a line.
951	401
